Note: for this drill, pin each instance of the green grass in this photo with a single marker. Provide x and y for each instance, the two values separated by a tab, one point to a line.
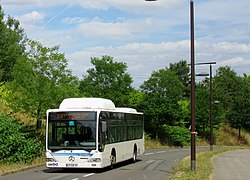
153	144
204	166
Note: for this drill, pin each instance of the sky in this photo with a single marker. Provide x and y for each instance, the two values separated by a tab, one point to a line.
147	36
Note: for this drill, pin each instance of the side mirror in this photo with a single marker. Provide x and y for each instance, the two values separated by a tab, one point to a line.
104	126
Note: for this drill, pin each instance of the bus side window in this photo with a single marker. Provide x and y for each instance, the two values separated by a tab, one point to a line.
104	126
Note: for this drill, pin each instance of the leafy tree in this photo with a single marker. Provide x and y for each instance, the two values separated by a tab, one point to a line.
185	117
182	69
108	79
224	85
238	116
163	90
4	92
233	91
135	99
41	80
12	45
202	107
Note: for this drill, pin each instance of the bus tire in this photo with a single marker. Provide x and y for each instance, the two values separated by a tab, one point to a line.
112	159
134	158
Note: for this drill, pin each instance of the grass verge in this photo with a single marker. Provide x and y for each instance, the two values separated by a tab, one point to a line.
204	166
8	168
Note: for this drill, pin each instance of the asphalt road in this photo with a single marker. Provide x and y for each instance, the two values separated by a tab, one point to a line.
153	165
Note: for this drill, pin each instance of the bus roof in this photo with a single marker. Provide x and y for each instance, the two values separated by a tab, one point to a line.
124	109
87	103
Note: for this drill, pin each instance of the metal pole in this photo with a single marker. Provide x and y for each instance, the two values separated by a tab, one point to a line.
211	111
193	133
211	102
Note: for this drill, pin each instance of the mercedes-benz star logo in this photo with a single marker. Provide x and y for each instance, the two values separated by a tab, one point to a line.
71	159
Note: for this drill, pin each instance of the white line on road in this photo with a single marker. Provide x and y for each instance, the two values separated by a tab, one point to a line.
148	154
160	152
75	179
87	175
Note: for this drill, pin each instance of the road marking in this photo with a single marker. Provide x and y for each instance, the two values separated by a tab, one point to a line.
175	150
87	175
75	179
160	152
154	165
148	154
150	161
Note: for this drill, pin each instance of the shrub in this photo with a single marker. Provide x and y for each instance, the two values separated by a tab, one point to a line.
176	135
16	145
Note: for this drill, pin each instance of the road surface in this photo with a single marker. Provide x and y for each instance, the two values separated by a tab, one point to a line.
153	165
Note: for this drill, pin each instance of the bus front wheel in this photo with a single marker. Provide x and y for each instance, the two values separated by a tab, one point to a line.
112	159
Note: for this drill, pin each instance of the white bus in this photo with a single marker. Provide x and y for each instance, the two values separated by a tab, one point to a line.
92	133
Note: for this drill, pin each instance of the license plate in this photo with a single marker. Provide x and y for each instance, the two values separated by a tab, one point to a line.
71	165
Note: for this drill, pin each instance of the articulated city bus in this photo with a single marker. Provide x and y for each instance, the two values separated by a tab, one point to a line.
92	133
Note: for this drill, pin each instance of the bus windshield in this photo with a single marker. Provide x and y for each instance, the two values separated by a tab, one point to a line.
71	131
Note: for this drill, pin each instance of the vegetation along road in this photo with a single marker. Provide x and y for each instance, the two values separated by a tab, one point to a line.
154	164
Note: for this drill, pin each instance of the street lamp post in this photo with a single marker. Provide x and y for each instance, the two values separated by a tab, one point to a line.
211	101
193	133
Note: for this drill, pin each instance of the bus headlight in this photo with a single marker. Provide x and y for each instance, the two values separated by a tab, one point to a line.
94	160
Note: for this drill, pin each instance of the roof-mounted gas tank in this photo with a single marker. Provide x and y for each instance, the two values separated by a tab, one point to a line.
87	103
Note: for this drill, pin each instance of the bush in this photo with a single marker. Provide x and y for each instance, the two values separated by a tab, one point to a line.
16	145
176	135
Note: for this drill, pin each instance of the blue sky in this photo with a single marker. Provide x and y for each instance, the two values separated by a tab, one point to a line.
147	36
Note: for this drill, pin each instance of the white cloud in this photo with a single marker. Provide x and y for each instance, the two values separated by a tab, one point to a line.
96	29
31	17
17	2
226	10
143	7
233	61
233	47
144	58
90	4
74	20
138	6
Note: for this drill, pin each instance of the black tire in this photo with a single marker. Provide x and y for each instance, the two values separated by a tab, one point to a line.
134	158
112	159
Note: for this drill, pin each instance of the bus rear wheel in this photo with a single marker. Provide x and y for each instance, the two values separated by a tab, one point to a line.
134	155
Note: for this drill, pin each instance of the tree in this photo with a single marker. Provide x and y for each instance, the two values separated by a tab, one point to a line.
108	79
135	99
41	80
12	45
233	91
182	69
238	116
202	107
224	86
163	90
